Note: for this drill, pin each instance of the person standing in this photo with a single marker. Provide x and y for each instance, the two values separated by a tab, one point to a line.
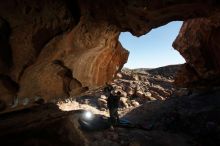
113	104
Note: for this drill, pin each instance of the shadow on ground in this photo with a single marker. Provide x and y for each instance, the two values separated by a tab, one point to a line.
194	118
184	121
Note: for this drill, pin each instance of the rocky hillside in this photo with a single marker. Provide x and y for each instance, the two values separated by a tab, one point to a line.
138	86
166	114
163	115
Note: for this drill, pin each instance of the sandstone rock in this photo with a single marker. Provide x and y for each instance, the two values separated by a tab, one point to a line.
197	42
138	88
134	103
147	94
136	77
123	101
160	90
156	95
102	102
118	87
87	101
139	93
41	37
150	98
130	91
119	75
103	97
103	109
133	84
123	93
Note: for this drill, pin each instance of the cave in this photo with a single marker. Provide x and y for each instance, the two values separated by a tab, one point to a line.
57	52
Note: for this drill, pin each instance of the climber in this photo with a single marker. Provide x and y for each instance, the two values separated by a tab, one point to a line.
113	104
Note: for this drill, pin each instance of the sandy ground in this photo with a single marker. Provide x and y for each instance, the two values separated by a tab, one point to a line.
74	105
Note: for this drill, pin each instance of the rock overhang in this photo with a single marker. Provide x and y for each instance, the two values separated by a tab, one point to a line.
62	48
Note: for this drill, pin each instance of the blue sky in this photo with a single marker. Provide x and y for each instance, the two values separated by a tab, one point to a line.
153	49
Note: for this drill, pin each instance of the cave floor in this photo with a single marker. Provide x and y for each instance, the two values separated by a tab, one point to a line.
184	121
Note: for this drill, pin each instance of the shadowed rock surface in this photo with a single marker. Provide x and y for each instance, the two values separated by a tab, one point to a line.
186	121
83	37
57	49
198	43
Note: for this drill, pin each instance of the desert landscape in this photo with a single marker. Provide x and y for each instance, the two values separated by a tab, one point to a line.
56	57
164	112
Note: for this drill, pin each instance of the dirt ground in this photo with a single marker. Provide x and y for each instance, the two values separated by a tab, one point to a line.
182	119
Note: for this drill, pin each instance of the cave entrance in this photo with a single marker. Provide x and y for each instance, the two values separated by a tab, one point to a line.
153	49
152	65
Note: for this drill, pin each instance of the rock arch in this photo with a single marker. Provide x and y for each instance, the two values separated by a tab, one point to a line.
85	38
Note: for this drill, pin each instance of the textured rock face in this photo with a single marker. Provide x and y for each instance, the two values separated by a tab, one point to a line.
49	53
140	16
25	35
58	48
198	42
87	59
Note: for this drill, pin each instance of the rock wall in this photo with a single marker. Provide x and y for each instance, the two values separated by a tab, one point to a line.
71	63
198	43
59	48
49	51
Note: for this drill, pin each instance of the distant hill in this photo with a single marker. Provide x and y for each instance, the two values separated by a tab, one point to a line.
166	71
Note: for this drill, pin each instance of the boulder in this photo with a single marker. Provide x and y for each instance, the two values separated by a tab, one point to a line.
123	101
161	91
139	93
156	96
130	91
123	93
103	97
102	103
147	94
136	77
134	103
119	75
